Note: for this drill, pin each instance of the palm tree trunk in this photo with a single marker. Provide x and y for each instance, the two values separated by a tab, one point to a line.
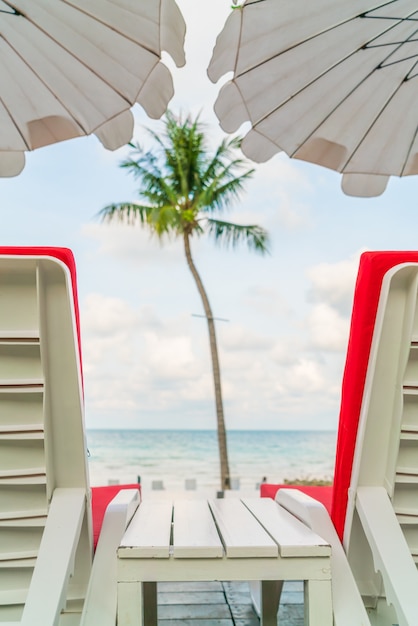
223	451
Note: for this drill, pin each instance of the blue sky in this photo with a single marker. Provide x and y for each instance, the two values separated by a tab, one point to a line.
146	356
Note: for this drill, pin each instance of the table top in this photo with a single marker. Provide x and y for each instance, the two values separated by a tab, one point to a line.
210	529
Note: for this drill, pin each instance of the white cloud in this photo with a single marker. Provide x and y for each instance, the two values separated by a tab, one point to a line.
291	214
334	282
239	338
266	300
303	377
327	329
134	359
171	357
283	350
108	325
133	244
331	295
275	194
282	172
105	315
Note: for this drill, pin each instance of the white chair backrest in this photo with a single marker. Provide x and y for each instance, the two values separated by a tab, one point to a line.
386	453
42	439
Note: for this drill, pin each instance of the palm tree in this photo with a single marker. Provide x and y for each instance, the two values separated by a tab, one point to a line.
180	186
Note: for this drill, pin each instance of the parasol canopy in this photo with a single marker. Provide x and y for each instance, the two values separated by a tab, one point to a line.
70	68
332	82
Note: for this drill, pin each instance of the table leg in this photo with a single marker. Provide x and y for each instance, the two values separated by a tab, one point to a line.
149	591
269	602
318	603
130	604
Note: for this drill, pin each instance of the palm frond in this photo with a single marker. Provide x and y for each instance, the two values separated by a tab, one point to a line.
154	185
222	192
231	235
127	212
161	220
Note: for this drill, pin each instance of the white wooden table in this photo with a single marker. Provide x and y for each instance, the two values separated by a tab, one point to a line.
228	540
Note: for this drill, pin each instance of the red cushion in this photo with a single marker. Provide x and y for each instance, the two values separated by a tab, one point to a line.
372	269
100	498
323	494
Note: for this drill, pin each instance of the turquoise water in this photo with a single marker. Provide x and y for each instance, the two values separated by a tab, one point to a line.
175	455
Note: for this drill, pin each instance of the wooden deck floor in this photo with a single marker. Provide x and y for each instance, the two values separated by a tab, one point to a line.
222	604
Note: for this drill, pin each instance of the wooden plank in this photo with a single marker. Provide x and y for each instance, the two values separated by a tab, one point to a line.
241	533
17	336
293	537
197	597
10	429
16	472
14	585
21	522
19	564
34	381
194	531
201	622
189	587
148	534
22	501
20	542
24	479
196	612
171	587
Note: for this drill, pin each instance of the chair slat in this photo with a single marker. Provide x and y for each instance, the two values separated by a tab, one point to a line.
148	535
248	539
292	536
194	531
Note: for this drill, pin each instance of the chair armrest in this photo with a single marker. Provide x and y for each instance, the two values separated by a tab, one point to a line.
391	554
347	602
55	561
101	598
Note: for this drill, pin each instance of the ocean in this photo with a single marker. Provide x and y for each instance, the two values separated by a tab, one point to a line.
172	456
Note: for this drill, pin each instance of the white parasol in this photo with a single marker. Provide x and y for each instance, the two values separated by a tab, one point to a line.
73	67
333	82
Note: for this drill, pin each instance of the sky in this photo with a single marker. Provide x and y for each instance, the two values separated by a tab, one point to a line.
146	354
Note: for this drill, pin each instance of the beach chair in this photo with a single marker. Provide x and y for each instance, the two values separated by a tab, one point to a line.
47	573
373	521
